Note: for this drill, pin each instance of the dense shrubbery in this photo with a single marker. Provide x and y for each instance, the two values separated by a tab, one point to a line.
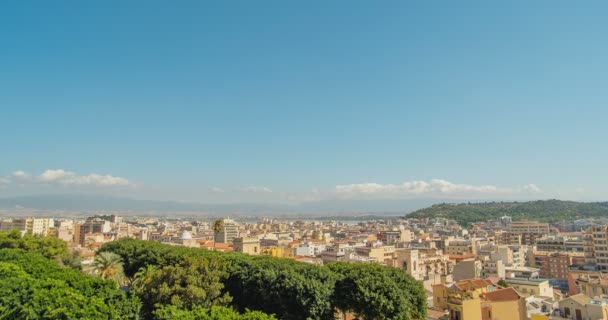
47	246
282	287
214	313
33	287
546	211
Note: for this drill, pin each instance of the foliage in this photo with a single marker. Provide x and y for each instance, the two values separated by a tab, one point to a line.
73	261
503	283
196	282
107	265
213	313
289	289
33	287
542	210
373	291
283	287
47	246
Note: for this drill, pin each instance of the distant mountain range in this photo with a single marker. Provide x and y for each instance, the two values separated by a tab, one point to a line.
461	211
541	210
81	202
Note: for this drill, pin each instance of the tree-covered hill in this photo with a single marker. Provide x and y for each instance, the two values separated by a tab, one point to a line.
542	210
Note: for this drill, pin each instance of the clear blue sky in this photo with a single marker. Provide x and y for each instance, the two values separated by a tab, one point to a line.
229	100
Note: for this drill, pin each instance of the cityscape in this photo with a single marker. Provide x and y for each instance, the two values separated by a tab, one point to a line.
291	160
530	269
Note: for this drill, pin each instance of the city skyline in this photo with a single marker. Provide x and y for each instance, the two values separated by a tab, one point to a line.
287	103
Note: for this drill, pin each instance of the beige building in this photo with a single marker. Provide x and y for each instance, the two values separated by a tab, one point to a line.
591	283
34	226
581	307
467	269
531	287
423	263
246	245
379	254
229	231
529	231
600	246
461	246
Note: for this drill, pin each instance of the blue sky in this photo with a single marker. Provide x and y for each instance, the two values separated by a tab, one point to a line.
280	101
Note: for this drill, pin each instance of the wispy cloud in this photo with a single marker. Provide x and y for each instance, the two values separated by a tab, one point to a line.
217	190
69	178
21	175
532	188
257	189
434	187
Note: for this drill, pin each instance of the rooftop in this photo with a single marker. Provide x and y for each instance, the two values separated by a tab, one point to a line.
506	294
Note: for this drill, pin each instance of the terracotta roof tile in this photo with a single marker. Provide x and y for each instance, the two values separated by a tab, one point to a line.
507	294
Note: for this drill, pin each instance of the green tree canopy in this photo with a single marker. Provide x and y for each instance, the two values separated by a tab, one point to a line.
373	292
213	313
34	287
47	246
195	282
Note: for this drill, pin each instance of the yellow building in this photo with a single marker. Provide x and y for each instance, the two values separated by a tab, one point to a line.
478	299
278	252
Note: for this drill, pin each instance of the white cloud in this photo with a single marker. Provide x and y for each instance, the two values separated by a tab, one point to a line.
21	175
51	175
532	188
217	190
409	188
257	189
96	180
69	178
4	181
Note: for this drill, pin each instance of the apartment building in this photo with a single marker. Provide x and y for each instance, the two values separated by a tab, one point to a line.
599	235
91	226
461	246
229	231
555	265
34	226
530	231
309	249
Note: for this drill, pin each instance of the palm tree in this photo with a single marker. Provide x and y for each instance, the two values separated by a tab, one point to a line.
218	226
108	265
142	278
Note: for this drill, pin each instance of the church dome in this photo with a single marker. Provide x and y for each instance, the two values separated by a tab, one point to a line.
186	235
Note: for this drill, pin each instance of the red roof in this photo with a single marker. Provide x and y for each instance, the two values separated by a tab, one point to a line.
506	294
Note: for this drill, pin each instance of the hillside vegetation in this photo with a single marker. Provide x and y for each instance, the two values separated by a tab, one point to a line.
542	210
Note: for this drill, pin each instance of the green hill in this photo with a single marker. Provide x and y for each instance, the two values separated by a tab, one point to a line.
542	210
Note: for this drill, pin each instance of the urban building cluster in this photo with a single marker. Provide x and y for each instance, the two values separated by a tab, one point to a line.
497	269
